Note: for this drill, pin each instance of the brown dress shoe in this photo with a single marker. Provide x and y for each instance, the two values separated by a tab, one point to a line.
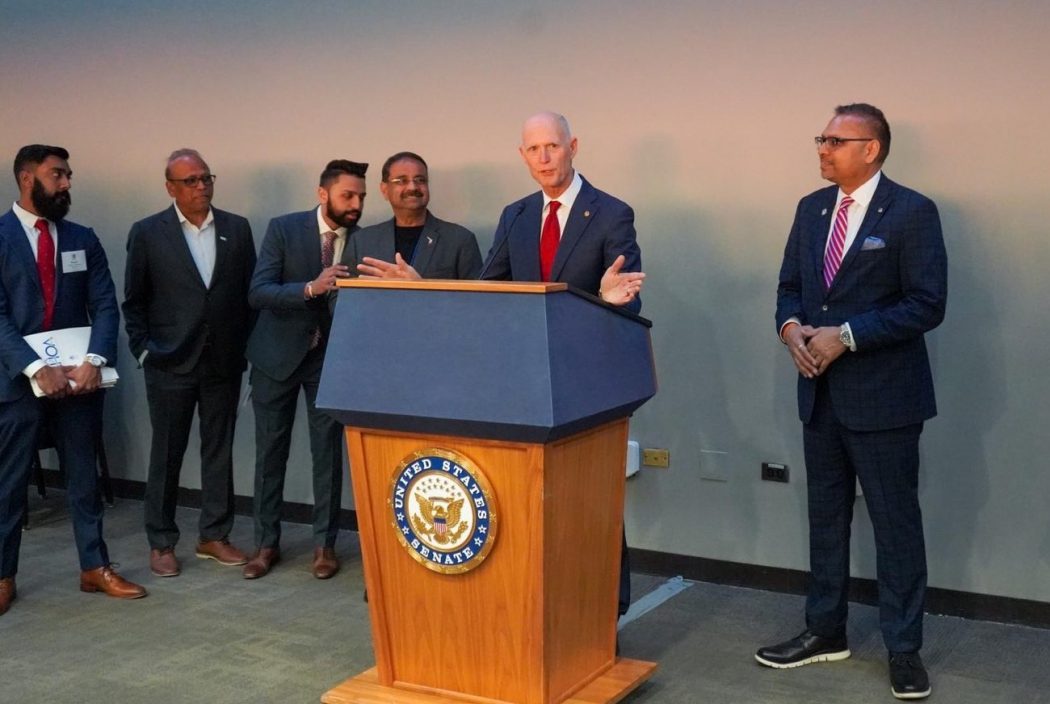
7	593
261	563
106	580
326	564
163	562
221	551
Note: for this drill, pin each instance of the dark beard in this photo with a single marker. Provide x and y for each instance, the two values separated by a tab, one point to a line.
53	207
348	218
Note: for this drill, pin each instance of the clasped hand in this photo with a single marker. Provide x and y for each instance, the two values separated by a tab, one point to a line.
58	382
813	349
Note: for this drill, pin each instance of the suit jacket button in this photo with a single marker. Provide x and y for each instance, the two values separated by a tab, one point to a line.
824	308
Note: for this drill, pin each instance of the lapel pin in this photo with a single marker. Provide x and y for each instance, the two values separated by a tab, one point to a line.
824	211
586	213
222	238
880	210
430	240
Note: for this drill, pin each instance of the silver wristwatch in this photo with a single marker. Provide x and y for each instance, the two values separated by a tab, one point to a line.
846	337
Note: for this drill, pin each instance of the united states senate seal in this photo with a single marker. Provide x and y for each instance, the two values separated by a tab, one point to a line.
443	509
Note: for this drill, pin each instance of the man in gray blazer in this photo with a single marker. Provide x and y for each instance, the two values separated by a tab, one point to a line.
433	247
187	317
298	266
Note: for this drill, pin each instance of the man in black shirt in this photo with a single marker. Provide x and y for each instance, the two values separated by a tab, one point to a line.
433	247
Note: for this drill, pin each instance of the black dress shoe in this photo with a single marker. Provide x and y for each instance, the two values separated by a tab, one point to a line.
803	649
908	676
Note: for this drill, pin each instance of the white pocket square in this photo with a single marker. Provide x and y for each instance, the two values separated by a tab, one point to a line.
872	243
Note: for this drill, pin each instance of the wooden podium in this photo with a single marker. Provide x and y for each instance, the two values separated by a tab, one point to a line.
487	429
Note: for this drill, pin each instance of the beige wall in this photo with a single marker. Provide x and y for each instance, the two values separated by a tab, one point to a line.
699	114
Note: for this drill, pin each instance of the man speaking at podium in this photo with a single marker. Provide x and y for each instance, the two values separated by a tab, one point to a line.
568	231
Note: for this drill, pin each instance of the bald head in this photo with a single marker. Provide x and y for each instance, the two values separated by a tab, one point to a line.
549	120
548	148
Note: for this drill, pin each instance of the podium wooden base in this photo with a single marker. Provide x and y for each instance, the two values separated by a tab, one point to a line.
613	685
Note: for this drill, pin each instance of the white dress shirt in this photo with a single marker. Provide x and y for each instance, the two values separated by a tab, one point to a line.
567	198
201	241
340	236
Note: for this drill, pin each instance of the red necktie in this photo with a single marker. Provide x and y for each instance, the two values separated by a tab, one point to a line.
549	239
833	254
45	266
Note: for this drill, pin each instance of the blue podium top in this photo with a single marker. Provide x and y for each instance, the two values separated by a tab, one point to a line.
498	360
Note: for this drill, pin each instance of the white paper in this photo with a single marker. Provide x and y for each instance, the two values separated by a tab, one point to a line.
66	347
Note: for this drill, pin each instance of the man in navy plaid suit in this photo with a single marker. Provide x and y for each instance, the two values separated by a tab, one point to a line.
864	277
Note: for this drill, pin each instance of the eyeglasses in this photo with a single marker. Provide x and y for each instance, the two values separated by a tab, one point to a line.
836	142
192	181
404	180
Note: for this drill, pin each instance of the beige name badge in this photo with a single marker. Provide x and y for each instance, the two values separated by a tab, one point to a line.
74	261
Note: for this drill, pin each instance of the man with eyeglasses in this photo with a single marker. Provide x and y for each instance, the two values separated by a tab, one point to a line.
187	317
862	280
434	248
298	266
53	275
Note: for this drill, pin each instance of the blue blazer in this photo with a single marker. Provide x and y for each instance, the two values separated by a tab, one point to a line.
599	229
891	288
290	256
82	298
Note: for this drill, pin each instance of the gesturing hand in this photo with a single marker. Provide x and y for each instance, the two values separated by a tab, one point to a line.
372	268
620	288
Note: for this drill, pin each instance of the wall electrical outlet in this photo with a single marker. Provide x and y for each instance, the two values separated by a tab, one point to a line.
772	472
653	457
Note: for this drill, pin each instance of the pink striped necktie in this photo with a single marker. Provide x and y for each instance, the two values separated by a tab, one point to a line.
837	243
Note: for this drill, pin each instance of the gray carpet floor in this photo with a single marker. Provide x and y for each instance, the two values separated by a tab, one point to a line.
211	636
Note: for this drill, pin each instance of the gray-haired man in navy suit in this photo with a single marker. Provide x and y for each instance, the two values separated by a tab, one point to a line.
863	279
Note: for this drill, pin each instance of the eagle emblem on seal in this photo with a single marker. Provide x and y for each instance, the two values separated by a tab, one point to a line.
440	519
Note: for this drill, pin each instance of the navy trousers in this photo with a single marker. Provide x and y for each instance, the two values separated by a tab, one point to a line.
74	425
886	463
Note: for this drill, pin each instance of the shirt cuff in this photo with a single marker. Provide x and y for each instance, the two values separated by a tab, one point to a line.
787	322
33	368
142	357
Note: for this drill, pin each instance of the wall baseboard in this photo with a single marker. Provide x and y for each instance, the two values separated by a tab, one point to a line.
945	602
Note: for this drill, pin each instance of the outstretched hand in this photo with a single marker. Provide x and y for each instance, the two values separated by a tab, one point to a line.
620	288
372	268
